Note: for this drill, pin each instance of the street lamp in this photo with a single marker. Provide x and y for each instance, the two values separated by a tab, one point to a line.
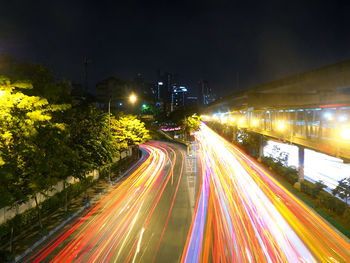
132	98
345	133
109	133
281	126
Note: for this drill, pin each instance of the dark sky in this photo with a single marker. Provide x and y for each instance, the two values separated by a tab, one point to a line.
213	40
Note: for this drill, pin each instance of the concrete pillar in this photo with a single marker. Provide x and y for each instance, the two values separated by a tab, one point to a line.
301	163
234	134
261	147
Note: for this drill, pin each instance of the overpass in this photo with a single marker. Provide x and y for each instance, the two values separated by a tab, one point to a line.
310	109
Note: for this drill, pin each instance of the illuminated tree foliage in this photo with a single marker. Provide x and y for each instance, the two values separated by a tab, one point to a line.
43	80
128	130
27	153
44	139
191	124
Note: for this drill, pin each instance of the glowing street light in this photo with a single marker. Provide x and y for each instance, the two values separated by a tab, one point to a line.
345	133
132	98
328	116
255	122
342	118
281	126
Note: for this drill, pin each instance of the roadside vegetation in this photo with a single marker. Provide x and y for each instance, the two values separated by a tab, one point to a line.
46	136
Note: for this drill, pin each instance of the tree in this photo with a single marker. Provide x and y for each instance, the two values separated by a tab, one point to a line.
343	189
127	130
318	187
191	124
24	164
89	140
45	83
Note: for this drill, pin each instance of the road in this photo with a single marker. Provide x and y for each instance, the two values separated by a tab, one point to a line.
167	210
145	218
244	215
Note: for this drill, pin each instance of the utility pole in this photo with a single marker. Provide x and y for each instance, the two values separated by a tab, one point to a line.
109	133
86	83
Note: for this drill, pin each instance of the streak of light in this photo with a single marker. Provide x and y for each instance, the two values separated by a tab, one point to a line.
112	229
244	215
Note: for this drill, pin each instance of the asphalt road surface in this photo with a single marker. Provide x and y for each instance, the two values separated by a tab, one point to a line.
145	218
210	204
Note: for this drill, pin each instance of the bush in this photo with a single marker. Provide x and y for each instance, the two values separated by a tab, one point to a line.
291	175
332	203
347	215
268	161
307	187
339	206
318	186
280	169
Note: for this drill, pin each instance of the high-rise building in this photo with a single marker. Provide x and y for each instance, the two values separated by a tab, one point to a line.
178	96
165	83
192	100
207	95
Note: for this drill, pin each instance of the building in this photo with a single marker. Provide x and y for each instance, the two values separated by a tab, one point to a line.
192	100
207	95
164	89
178	96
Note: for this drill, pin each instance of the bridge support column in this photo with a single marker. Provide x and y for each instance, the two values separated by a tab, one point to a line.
234	134
301	163
261	147
301	167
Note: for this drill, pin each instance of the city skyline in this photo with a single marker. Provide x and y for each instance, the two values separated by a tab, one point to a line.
232	45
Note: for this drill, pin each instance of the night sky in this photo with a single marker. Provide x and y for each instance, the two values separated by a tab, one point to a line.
214	40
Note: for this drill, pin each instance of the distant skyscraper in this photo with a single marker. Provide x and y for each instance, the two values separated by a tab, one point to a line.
178	97
207	95
165	83
192	100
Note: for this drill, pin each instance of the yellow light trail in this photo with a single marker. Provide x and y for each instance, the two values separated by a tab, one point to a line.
244	215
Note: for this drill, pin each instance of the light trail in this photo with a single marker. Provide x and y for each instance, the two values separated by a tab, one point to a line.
244	215
112	230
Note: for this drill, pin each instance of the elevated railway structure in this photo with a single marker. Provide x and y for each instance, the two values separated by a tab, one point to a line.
310	110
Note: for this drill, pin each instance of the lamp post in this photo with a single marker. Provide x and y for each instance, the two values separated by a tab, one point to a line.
132	98
109	133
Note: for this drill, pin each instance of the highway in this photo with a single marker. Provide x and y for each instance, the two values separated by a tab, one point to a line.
244	215
166	210
144	218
